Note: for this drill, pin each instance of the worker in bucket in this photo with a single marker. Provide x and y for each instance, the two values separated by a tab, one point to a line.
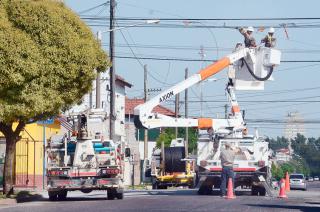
227	156
249	40
269	40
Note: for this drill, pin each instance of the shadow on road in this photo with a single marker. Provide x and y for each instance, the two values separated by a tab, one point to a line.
25	196
289	207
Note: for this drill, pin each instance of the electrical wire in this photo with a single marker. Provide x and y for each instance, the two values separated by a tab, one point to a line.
93	8
199	60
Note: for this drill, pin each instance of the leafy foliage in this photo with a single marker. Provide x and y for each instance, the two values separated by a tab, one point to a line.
278	143
169	133
308	150
47	59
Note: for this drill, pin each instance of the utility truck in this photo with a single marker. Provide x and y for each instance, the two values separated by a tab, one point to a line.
249	68
84	160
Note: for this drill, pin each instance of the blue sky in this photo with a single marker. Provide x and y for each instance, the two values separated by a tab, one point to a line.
298	81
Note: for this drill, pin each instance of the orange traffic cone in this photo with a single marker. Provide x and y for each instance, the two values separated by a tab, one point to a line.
287	186
230	194
282	193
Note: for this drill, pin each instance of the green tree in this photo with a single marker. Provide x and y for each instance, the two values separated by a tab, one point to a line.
48	58
278	143
287	167
169	133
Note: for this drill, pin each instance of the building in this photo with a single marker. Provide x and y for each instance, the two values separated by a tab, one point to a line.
135	137
283	155
294	125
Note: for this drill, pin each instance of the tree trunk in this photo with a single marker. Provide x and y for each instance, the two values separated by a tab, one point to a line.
12	136
8	180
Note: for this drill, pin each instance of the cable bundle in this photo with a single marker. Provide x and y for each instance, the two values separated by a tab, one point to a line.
173	156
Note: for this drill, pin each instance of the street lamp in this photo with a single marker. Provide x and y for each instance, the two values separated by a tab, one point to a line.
151	21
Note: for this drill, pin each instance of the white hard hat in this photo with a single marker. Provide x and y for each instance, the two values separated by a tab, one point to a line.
250	29
271	30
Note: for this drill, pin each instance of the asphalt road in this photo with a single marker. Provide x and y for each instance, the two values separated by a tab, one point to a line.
174	200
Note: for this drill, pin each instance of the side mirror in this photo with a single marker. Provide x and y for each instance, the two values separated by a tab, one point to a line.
127	152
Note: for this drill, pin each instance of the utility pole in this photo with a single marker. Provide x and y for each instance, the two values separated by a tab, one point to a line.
176	109
225	111
98	85
145	100
186	144
112	71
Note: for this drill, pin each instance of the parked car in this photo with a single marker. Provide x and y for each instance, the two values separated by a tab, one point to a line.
316	178
297	181
310	179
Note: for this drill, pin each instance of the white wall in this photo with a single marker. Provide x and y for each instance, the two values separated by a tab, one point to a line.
151	146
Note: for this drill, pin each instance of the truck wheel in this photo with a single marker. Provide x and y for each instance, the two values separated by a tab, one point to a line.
52	195
163	187
62	195
254	191
155	185
111	194
119	195
262	191
205	190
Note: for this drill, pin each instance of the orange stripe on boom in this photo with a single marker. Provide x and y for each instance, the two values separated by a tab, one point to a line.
214	68
204	123
235	109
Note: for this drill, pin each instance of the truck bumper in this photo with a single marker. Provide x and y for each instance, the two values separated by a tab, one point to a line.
84	184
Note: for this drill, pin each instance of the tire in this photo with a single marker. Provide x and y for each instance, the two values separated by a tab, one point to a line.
162	186
62	195
254	191
205	190
258	191
262	192
111	194
52	195
154	183
119	195
155	186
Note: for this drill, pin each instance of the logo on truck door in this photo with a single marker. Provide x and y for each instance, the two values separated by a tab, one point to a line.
166	96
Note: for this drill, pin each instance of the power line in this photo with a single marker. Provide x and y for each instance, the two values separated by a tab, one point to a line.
211	19
93	8
204	60
206	48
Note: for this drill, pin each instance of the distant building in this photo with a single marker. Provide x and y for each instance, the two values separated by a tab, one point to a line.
283	155
294	125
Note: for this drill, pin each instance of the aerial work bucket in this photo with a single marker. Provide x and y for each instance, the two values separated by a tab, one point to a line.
251	72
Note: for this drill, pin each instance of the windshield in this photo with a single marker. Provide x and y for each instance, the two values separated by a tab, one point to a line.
296	176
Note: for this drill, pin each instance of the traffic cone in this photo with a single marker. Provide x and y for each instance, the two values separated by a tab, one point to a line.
282	193
287	182
230	194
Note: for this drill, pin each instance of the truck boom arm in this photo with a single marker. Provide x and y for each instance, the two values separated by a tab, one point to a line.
145	118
